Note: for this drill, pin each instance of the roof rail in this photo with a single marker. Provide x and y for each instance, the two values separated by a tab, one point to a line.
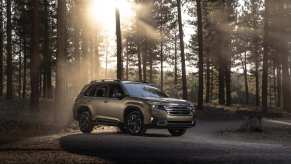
105	80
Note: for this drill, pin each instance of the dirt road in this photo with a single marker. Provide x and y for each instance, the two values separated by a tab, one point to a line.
202	144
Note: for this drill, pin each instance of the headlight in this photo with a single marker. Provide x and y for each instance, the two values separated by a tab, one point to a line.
157	106
192	108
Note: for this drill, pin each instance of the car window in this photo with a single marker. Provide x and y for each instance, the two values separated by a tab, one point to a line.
143	90
100	91
90	91
115	91
96	91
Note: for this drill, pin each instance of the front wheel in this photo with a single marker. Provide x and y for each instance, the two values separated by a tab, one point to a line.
85	122
177	132
134	123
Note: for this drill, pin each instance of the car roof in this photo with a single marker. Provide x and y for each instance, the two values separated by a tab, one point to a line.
118	81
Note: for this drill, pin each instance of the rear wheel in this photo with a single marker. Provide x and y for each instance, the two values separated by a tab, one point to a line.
85	122
177	132
134	123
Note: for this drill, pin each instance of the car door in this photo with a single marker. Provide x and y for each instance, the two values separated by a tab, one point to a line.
97	97
115	102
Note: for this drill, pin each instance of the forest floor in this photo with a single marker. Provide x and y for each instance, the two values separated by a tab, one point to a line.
27	137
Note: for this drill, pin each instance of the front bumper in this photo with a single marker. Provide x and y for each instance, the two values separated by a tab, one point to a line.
163	120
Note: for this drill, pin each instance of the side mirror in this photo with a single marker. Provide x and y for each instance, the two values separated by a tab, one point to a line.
119	95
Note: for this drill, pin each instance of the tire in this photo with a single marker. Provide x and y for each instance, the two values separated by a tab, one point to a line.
134	123
85	122
177	132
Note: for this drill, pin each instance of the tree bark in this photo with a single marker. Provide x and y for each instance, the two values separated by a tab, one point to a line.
228	82
35	57
9	67
257	81
175	65
265	59
19	72
279	86
60	59
1	49
221	83
244	64
139	62
144	63
24	81
200	56
47	82
285	80
181	35
119	45
127	61
162	65
208	83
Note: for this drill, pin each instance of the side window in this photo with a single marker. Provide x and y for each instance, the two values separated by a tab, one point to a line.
90	91
100	91
115	91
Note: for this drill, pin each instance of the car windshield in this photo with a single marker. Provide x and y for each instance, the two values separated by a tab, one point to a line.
143	90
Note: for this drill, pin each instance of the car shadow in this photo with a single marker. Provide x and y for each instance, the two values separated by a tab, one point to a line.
123	148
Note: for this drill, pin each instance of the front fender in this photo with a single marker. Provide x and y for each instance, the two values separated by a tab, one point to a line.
143	107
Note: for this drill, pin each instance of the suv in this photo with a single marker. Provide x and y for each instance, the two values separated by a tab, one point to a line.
133	107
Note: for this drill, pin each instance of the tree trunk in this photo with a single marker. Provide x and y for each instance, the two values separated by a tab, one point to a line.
151	68
265	59
200	56
175	66
35	57
24	81
47	82
211	87
119	45
207	95
244	64
286	81
60	59
181	35
9	67
19	72
76	43
144	64
1	48
257	81
221	83
127	61
228	82
139	62
279	86
162	65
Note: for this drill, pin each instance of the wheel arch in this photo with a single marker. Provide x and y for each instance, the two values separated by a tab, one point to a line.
81	109
129	108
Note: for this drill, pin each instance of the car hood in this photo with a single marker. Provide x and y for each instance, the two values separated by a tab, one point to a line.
168	100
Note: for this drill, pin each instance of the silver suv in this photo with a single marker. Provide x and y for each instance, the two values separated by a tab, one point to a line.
133	107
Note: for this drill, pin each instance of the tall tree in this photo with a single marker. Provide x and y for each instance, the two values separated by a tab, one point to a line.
60	58
200	56
35	56
265	58
181	36
119	45
1	48
47	63
9	67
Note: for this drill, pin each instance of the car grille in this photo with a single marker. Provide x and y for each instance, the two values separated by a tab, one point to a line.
179	110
